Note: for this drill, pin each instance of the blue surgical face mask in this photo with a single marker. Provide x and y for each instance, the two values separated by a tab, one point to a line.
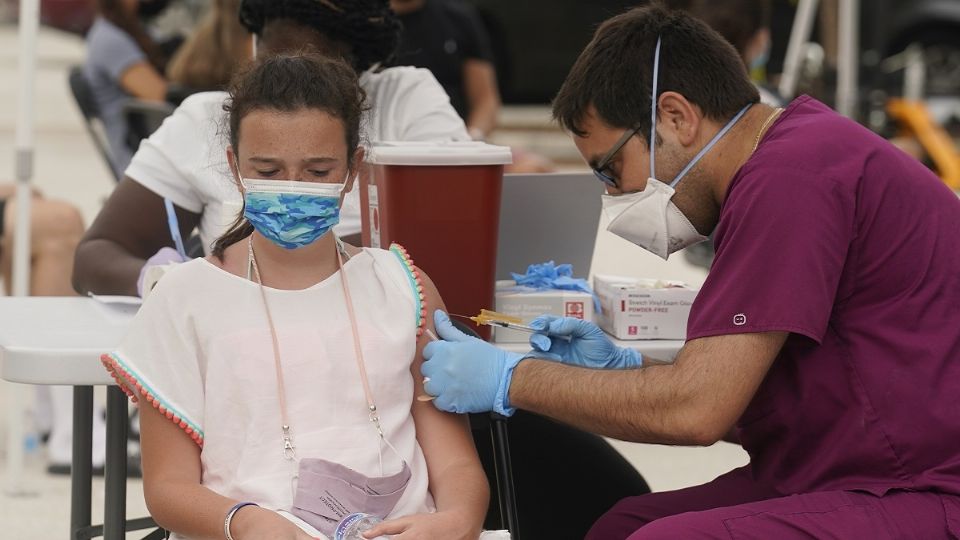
291	214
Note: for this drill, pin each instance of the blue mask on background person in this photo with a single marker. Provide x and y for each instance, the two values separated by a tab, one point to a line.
291	214
759	62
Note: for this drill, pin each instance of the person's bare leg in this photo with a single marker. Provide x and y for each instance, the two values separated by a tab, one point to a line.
55	231
6	246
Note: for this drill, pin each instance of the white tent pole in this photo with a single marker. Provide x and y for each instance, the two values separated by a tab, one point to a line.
848	57
799	36
29	23
23	147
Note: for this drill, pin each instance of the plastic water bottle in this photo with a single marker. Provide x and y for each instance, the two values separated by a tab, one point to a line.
31	437
351	527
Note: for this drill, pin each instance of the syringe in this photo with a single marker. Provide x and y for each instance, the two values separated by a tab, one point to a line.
493	318
490	318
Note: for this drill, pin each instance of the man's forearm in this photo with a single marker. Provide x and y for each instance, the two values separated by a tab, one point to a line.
643	405
695	400
483	118
647	362
483	98
103	267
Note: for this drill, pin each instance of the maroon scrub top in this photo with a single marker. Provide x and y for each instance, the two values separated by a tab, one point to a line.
830	233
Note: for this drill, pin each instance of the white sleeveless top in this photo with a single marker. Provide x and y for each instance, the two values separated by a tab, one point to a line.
200	351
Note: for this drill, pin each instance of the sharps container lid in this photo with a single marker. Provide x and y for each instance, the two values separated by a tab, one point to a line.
448	153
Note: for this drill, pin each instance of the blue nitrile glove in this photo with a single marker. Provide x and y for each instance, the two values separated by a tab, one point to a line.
588	346
467	375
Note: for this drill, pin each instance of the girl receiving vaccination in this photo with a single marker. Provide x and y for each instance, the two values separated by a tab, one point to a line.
277	373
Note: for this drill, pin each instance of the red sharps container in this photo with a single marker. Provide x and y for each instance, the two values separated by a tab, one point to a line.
441	201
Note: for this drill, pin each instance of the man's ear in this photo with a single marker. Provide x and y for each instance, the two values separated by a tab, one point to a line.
679	117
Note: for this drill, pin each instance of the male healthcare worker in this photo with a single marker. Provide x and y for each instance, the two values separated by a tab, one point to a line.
826	337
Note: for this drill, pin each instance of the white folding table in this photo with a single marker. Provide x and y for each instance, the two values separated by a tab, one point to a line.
58	341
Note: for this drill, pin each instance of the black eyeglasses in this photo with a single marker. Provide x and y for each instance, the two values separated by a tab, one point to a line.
605	162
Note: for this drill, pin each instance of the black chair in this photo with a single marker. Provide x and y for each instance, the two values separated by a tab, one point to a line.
143	118
505	494
83	95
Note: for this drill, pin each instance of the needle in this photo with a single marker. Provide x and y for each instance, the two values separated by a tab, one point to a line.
492	318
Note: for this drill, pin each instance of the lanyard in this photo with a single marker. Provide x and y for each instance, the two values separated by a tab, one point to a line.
289	450
174	224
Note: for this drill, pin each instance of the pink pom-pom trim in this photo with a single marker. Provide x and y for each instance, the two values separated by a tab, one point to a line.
415	273
126	381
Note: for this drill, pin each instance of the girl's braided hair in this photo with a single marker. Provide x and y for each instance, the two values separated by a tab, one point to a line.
368	27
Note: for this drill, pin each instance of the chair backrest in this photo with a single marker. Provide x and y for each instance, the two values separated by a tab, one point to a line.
83	95
143	118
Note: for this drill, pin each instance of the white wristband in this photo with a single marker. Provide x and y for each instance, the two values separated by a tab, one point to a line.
229	518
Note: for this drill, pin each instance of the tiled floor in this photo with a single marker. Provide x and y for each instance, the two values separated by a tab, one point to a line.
67	167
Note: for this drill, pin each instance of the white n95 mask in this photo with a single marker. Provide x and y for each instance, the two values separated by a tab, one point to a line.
649	218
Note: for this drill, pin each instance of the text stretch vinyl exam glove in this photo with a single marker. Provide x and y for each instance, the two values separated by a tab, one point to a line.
588	345
467	375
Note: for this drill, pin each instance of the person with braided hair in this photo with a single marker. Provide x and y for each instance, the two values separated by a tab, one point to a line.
183	160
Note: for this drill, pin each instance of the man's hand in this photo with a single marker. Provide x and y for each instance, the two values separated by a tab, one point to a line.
580	343
467	375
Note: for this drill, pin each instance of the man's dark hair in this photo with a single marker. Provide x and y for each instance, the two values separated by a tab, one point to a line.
614	73
289	83
367	27
738	21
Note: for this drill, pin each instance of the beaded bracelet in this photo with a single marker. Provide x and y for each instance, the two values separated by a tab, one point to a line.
229	518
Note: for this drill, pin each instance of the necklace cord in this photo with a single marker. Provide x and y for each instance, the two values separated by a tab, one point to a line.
288	447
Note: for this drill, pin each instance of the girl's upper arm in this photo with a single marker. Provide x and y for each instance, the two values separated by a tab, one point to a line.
444	437
169	456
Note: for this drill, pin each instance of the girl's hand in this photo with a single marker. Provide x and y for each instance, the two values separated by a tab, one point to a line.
255	523
438	526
